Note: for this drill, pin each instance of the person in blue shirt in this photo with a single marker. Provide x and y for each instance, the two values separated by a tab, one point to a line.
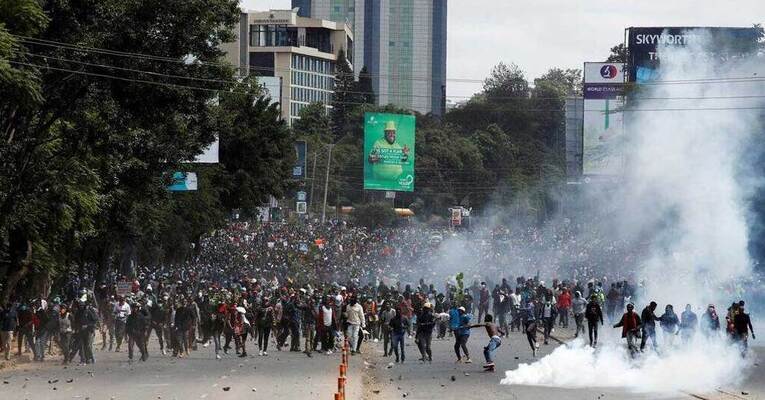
462	334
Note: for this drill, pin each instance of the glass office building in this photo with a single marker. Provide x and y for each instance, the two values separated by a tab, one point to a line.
401	42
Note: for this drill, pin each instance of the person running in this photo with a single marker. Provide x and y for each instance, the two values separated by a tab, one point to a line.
578	306
688	324
530	326
742	325
594	315
120	315
630	323
549	313
649	326
462	334
398	325
669	322
495	341
265	322
710	322
425	324
8	323
386	316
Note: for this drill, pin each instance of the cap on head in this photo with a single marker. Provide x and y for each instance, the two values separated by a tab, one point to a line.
390	126
462	309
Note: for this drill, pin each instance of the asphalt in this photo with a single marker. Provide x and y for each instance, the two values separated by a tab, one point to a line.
280	375
444	379
285	375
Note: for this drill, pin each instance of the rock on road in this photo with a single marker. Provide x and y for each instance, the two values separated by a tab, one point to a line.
281	375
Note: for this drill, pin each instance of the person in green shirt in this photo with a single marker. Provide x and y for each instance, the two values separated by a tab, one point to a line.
387	156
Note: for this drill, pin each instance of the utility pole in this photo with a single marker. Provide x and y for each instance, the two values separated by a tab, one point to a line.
313	180
326	184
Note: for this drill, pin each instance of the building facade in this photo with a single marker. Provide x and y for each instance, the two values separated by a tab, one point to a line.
401	42
301	52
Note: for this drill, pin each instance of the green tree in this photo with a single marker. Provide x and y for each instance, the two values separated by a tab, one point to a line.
81	172
343	99
618	54
506	81
256	148
364	89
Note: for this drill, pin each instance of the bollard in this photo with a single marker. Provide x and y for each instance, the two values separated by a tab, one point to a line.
338	396
343	368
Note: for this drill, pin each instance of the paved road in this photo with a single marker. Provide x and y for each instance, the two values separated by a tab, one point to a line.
287	376
281	375
415	380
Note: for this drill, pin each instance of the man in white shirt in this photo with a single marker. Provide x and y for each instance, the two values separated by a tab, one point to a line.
121	312
354	314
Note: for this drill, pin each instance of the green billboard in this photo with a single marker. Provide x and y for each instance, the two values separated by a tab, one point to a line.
389	152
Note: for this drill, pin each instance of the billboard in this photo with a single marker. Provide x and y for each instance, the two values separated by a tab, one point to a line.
603	123
210	154
183	182
389	152
298	170
644	46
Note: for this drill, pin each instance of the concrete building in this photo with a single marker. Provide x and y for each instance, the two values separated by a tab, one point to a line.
401	42
300	51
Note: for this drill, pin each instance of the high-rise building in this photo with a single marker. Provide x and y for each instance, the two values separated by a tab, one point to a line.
298	52
401	42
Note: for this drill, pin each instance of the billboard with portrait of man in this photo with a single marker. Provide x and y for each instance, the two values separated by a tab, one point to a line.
389	152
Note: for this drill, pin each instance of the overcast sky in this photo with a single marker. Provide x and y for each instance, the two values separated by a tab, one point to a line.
540	34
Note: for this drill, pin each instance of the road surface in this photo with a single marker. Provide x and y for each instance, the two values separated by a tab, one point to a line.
443	379
281	375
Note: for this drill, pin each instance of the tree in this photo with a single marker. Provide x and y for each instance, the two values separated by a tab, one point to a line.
314	124
364	89
82	166
506	80
618	54
344	98
256	148
568	82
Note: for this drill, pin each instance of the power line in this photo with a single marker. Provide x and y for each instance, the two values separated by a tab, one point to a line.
70	46
214	90
353	92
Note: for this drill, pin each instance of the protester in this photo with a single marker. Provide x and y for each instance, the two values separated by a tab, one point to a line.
425	325
494	341
630	324
462	335
398	325
594	315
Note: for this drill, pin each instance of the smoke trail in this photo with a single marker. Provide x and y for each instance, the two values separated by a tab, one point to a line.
684	193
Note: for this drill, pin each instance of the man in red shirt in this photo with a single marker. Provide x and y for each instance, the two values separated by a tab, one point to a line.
564	304
630	323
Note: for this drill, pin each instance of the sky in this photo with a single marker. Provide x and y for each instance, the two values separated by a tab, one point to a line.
541	34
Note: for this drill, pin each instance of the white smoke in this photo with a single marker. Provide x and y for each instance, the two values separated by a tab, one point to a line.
683	195
683	368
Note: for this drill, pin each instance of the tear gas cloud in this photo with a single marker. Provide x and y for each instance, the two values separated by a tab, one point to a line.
683	198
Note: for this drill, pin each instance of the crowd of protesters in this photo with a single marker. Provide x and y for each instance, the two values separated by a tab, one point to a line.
304	288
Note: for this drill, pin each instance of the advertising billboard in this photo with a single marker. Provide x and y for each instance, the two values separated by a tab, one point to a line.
603	124
644	46
389	152
183	182
298	170
210	154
